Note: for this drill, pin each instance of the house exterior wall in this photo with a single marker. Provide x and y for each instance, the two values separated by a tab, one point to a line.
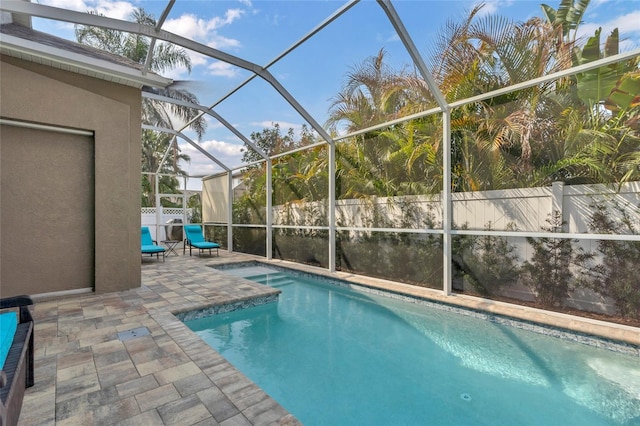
45	95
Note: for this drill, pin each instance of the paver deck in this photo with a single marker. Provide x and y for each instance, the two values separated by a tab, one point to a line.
87	374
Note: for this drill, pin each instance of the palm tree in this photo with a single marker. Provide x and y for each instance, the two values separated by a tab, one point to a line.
154	146
542	133
373	93
165	57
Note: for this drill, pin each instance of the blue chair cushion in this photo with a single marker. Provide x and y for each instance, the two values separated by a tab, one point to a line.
145	237
205	245
152	249
194	234
8	325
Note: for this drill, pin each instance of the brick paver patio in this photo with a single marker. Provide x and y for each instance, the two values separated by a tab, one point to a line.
86	374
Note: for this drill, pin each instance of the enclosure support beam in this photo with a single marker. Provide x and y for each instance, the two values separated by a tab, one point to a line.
189	141
156	183
446	202
152	44
314	31
269	218
268	77
83	18
230	211
332	207
185	199
413	51
166	154
210	112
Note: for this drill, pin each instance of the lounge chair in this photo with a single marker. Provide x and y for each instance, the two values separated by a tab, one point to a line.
149	246
195	238
16	356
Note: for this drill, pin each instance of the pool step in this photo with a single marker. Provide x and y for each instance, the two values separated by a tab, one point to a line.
272	280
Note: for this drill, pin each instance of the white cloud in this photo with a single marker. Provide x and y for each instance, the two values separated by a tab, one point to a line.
227	153
489	8
78	5
222	69
116	10
231	15
189	26
205	30
629	23
626	24
197	58
221	42
627	45
177	73
587	30
221	147
111	9
598	3
393	37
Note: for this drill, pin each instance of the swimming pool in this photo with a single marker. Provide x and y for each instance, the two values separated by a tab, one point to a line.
337	356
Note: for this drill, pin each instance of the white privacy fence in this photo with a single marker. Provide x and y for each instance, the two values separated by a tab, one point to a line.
157	221
521	209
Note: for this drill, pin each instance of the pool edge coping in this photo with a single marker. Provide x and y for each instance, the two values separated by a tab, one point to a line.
497	311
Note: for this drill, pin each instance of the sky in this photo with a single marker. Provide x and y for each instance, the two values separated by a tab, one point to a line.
260	30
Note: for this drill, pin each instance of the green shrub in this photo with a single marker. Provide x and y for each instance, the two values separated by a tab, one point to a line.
548	274
491	263
617	276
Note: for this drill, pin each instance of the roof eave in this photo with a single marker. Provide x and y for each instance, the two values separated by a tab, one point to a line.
58	58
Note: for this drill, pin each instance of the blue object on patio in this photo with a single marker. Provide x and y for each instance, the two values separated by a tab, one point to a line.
149	246
195	238
8	325
17	366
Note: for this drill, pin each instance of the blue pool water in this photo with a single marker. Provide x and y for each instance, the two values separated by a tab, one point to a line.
336	356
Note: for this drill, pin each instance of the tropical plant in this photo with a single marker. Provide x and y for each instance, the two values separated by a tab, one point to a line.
194	203
373	92
493	141
298	176
626	96
272	141
568	16
301	177
595	86
165	56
